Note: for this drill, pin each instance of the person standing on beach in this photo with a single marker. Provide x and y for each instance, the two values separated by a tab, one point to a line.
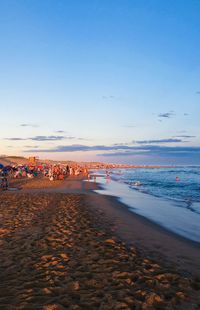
4	183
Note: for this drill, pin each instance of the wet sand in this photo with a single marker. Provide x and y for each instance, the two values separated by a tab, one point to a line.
66	247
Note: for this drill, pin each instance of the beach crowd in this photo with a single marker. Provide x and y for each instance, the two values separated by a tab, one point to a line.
52	172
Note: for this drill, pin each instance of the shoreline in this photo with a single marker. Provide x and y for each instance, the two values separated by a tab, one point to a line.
149	237
155	209
134	228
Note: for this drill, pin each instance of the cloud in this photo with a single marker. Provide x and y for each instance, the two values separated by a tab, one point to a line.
198	92
120	153
47	138
40	138
122	144
15	139
125	150
150	152
60	131
166	115
83	139
185	136
28	125
83	148
159	141
159	151
71	137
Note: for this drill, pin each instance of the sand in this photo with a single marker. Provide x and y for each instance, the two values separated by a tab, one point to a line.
150	238
62	248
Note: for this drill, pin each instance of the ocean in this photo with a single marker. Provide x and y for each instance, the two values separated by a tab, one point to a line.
169	197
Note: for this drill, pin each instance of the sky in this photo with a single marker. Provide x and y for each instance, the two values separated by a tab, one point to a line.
96	80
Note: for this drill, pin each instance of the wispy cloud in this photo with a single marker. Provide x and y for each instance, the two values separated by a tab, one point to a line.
122	144
28	125
15	139
166	115
83	139
42	138
159	141
47	138
185	136
71	137
108	97
31	146
59	131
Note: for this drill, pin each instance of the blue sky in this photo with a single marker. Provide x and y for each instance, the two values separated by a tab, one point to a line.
101	80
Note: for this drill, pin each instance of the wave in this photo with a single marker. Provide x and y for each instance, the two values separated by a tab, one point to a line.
181	185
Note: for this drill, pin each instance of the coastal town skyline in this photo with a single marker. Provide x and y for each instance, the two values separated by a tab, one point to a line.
101	81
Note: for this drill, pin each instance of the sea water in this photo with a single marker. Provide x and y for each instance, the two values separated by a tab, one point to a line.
169	197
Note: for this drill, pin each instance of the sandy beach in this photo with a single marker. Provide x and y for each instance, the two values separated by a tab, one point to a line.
99	155
65	247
